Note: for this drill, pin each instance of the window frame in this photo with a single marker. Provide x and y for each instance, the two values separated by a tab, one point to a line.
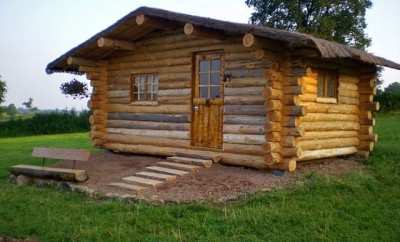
209	57
325	74
132	89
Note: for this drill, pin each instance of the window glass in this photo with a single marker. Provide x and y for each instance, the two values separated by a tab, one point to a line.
215	78
204	65
215	65
215	92
327	83
145	87
204	78
209	75
204	91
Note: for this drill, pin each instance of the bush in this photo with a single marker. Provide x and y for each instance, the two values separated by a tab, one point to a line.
54	122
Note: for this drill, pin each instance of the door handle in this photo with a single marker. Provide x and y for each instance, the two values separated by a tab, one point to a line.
195	108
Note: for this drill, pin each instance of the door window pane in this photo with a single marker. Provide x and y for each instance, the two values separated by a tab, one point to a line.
204	66
215	65
215	78
204	92
204	78
215	92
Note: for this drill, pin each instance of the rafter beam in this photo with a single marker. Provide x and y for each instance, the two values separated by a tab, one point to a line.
191	30
143	20
115	44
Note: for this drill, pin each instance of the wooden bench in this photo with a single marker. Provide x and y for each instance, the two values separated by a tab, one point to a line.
61	154
53	172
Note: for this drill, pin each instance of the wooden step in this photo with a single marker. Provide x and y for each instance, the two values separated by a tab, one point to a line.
167	170
178	166
127	186
158	176
143	181
191	161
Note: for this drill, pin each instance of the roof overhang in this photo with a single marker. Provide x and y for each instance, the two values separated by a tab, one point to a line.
145	20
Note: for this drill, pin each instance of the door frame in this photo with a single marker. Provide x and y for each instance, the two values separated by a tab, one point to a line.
193	87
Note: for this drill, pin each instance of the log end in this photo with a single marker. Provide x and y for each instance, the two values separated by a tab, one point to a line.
248	40
188	29
140	19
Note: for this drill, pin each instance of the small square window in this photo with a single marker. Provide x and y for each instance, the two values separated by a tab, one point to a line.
144	87
327	83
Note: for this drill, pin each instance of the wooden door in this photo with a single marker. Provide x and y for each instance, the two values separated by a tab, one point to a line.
207	105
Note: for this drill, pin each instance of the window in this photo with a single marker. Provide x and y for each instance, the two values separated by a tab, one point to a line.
144	87
210	77
327	84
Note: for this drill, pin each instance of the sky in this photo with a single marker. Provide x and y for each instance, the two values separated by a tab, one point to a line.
35	32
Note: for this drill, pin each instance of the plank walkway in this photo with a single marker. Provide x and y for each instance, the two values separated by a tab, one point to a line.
161	173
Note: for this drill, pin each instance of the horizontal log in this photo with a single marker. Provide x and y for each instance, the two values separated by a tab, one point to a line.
366	130
169	118
374	107
289	165
297	132
245	82
294	111
115	44
249	120
326	153
256	110
274	94
348	86
294	90
348	93
226	158
273	105
349	100
127	124
274	116
50	173
244	149
152	133
319	117
366	146
249	139
273	127
145	140
244	100
244	91
273	158
328	143
273	147
329	108
273	136
320	135
243	129
288	141
291	152
167	109
175	92
118	93
329	126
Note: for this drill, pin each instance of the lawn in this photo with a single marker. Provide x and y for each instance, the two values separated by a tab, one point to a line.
361	206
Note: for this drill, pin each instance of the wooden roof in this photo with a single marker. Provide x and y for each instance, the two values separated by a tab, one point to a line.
127	29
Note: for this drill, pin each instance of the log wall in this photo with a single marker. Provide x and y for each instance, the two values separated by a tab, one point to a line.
164	128
331	126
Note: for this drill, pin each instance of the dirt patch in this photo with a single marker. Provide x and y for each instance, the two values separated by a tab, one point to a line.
218	183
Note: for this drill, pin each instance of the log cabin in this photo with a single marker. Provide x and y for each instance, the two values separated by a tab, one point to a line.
167	83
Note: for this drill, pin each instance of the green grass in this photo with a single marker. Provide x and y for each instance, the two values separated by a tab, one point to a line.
361	206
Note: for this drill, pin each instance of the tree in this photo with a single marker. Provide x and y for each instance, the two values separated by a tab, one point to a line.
11	110
75	88
336	20
3	90
389	98
28	104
